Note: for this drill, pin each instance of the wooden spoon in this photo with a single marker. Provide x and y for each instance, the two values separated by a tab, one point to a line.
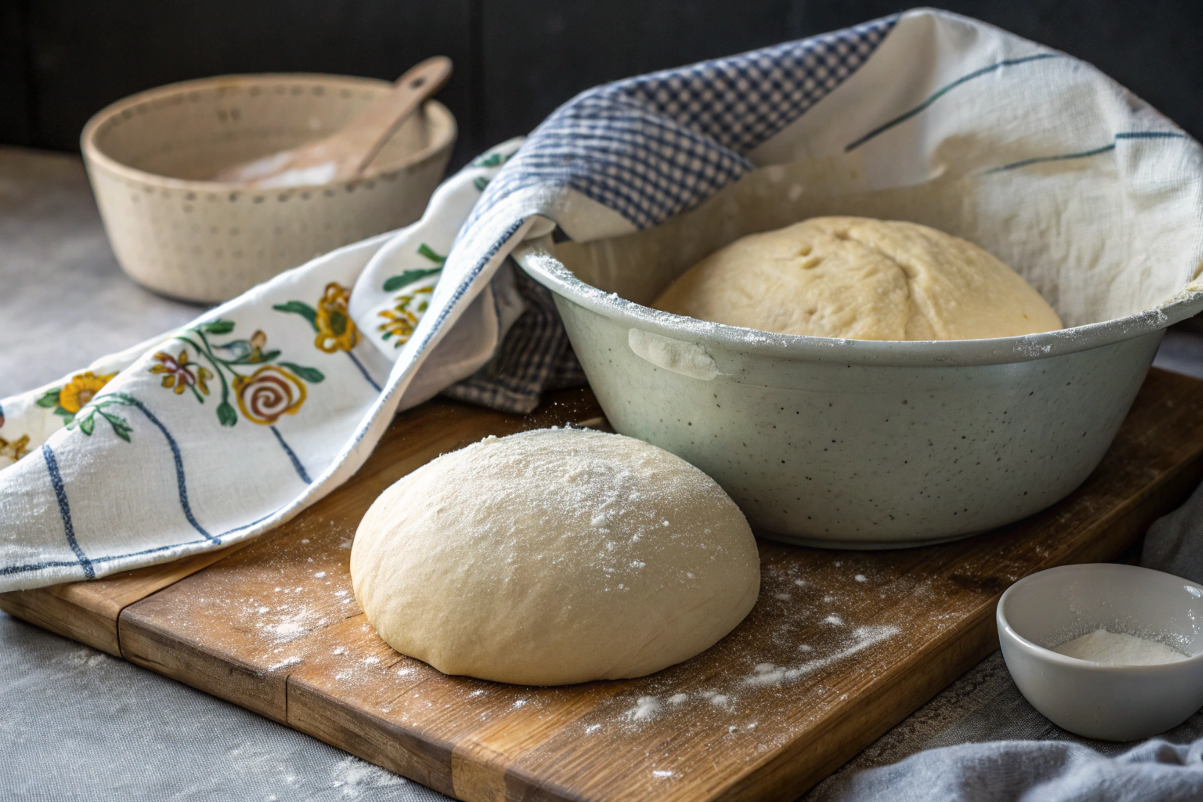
346	153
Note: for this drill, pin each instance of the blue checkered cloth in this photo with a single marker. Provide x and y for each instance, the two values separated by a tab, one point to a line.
649	148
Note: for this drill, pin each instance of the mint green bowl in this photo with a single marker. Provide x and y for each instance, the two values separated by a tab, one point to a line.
844	443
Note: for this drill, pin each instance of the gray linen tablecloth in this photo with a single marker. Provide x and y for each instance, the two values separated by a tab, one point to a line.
78	724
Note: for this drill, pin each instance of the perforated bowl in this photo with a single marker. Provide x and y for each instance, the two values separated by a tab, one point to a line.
180	235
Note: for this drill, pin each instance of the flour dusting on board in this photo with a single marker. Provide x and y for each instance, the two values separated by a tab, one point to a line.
802	630
353	777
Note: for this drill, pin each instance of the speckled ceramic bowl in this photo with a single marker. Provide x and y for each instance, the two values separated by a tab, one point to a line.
845	443
149	157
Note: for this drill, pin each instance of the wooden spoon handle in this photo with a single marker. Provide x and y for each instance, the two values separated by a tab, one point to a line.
368	133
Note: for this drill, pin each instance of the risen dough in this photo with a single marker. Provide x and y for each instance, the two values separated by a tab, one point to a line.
862	279
553	557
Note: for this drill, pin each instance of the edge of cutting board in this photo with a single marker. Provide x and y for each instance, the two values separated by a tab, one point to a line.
125	615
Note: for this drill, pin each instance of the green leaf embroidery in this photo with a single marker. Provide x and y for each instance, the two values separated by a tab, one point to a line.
409	277
480	182
308	374
85	421
217	327
226	414
50	399
298	308
239	350
243	353
491	160
64	414
121	427
429	253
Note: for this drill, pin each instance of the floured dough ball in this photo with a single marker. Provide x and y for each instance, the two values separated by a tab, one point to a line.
553	557
862	279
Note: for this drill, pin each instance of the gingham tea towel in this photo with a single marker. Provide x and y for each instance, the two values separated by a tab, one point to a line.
219	431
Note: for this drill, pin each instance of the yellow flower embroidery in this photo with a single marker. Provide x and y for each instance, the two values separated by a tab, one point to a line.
10	452
81	389
400	321
180	375
268	393
335	329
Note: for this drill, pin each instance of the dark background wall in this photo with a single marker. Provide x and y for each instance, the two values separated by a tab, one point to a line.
516	60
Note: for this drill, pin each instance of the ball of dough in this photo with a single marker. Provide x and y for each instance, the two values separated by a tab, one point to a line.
861	279
553	557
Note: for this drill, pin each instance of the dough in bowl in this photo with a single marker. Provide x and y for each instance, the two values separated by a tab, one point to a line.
861	279
553	557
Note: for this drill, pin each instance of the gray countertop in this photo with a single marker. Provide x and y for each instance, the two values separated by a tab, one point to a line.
79	724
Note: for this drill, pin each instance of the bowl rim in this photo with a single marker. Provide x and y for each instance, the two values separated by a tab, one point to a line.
443	129
1038	652
540	264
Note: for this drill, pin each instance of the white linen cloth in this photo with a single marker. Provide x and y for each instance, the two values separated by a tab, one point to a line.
222	430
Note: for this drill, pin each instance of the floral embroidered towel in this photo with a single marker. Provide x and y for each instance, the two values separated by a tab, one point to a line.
219	431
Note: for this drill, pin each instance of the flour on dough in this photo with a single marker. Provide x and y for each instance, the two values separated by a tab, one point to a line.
553	557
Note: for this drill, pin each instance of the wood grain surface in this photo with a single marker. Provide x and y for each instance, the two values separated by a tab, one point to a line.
840	646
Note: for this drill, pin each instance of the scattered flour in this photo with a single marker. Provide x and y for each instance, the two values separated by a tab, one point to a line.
834	620
291	661
862	638
354	776
85	658
292	626
645	707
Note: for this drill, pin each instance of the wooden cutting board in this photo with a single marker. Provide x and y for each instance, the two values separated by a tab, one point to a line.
841	645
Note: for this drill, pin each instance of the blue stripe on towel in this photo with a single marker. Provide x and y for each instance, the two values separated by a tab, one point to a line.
64	509
296	463
27	567
364	371
1093	152
881	129
1061	157
181	485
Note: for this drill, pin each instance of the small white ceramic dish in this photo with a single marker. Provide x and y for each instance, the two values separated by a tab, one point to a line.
1112	703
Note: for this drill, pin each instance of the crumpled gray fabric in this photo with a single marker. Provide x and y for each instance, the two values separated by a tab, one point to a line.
1174	543
1037	771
